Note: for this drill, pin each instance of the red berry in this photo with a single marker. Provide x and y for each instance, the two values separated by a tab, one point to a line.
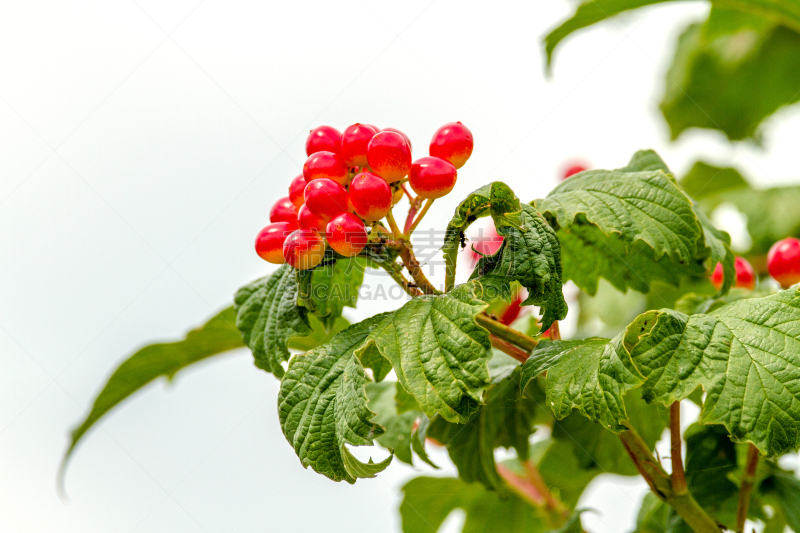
355	139
389	155
283	211
745	275
783	261
325	165
431	177
406	137
325	198
574	169
269	242
323	139
370	196
304	249
512	312
308	220
452	142
296	189
346	234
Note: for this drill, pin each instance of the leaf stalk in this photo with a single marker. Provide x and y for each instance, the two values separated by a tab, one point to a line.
746	488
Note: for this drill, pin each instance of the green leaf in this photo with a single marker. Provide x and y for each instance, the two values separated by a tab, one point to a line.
591	375
787	489
371	357
596	448
786	12
397	437
629	226
322	406
506	420
496	198
438	351
318	334
216	336
418	437
428	501
654	516
746	355
530	254
710	460
720	64
333	287
704	180
561	471
268	316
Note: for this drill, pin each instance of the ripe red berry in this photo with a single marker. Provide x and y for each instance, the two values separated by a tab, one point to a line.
389	155
346	234
370	196
355	139
431	177
308	220
512	311
452	142
296	189
304	249
573	169
325	198
323	139
783	261
745	275
406	137
269	242
283	211
325	165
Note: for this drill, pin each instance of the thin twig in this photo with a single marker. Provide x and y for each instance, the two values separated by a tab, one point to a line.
428	204
506	347
746	488
412	211
393	225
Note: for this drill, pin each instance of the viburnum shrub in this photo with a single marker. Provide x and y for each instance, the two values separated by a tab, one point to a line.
472	368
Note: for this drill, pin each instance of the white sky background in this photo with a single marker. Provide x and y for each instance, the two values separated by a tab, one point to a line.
141	147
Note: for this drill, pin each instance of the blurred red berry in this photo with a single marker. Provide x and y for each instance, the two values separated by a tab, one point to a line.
296	189
745	275
574	169
783	261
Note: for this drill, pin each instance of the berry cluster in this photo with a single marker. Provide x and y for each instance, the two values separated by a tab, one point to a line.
783	264
352	179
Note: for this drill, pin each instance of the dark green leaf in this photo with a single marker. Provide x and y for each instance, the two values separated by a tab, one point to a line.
506	420
216	336
427	502
787	488
531	255
746	355
591	375
597	448
268	316
322	406
398	426
438	352
318	334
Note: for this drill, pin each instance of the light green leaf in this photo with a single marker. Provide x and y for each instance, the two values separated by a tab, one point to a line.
332	287
496	199
322	406
746	355
560	470
704	181
438	352
786	12
216	336
591	375
787	489
721	63
428	501
397	436
318	334
530	254
418	437
268	316
506	420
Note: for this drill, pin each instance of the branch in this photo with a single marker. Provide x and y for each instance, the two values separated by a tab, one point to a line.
411	263
395	271
746	488
393	225
661	484
506	333
532	488
678	477
506	347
